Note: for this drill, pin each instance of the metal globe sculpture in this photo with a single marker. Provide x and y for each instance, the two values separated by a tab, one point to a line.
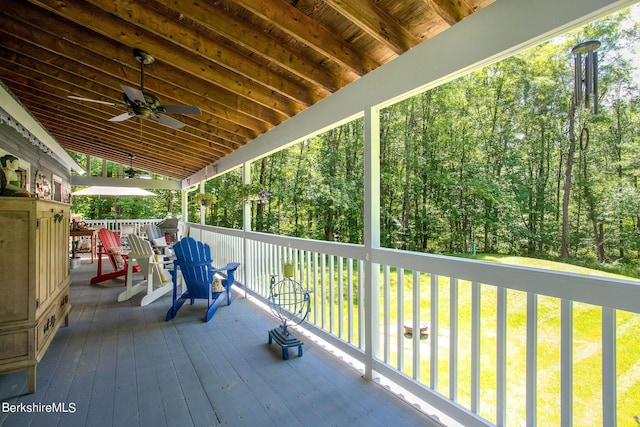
290	303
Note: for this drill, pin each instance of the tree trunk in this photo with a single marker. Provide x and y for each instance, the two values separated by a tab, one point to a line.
598	229
564	248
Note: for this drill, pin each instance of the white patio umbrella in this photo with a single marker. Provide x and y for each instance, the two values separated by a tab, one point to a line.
98	190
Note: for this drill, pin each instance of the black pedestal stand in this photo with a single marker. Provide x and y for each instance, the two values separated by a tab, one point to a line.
285	339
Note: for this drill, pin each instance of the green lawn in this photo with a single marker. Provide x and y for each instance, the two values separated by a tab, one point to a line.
587	321
587	355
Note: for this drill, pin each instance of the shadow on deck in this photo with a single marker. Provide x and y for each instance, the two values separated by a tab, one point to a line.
119	364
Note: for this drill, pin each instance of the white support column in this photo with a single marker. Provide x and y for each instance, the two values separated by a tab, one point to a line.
371	236
246	226
185	207
246	208
203	209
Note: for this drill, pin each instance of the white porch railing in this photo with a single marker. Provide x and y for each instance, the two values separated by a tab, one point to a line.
114	225
479	315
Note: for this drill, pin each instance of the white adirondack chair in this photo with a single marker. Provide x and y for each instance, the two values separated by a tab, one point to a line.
157	280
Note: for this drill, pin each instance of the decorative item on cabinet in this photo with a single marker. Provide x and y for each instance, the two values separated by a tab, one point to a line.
43	186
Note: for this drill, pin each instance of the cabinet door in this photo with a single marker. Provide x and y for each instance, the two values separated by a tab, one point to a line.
14	264
53	249
45	257
60	248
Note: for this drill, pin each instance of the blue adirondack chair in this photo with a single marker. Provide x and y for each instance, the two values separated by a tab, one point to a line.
193	259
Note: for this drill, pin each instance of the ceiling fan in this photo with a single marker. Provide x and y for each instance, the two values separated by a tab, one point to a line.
145	104
132	173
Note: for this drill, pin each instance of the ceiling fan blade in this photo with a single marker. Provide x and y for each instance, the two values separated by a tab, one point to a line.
122	117
80	98
169	121
181	109
133	94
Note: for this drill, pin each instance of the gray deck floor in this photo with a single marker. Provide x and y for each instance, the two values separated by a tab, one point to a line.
119	364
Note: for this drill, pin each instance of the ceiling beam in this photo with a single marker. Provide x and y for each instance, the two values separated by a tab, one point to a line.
260	44
451	11
302	28
377	23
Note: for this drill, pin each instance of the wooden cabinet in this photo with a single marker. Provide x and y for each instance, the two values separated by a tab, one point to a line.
34	280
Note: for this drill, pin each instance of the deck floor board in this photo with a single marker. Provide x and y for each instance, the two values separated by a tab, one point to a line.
122	364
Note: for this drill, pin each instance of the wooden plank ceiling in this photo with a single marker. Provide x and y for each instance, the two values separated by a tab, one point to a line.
248	65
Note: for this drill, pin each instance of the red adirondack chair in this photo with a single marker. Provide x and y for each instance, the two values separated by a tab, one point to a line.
111	247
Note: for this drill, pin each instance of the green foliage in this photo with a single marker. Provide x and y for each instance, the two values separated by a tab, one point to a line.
477	162
128	207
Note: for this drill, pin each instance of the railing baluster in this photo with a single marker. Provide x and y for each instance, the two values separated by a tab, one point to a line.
609	393
361	312
254	271
316	290
566	363
433	334
416	324
332	301
400	317
532	359
259	264
501	357
386	300
264	269
453	339
253	262
323	288
350	300
308	272
266	264
340	296
475	346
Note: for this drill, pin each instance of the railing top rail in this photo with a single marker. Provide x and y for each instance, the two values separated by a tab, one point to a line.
601	291
596	290
347	250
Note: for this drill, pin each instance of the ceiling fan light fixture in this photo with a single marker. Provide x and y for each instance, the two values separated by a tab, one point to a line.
142	56
131	173
144	111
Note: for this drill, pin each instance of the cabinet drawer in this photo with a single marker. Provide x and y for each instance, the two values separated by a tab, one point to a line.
14	345
50	322
46	328
62	301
